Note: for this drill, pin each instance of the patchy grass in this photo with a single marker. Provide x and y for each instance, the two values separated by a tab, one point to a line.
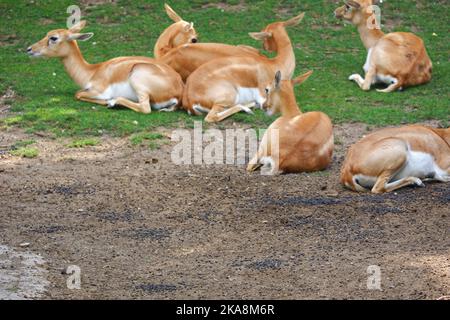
45	93
153	140
25	152
83	143
154	145
140	138
22	149
24	143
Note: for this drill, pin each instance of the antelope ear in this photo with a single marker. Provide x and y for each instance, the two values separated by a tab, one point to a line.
260	36
294	21
189	27
302	78
172	14
277	82
78	27
81	36
353	4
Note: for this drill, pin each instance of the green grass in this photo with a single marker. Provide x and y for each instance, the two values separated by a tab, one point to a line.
22	149
140	138
153	140
24	143
45	93
25	152
83	143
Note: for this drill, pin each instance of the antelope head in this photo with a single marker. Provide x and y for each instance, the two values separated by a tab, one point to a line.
59	43
280	93
183	32
355	11
267	35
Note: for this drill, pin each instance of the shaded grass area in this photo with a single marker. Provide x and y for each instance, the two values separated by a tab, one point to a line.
45	93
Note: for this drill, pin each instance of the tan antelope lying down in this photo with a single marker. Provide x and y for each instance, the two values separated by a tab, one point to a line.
230	85
137	83
397	59
391	159
189	57
305	141
179	33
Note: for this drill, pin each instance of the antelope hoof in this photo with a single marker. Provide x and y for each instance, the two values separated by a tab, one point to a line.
112	103
419	183
247	110
253	167
353	77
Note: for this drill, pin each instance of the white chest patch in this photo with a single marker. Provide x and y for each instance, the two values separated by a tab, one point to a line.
367	64
249	95
119	90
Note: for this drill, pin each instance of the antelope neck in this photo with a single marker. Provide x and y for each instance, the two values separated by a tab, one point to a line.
368	36
286	56
77	68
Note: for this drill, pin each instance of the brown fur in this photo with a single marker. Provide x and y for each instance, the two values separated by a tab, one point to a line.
214	85
306	141
400	55
179	33
383	153
152	81
188	58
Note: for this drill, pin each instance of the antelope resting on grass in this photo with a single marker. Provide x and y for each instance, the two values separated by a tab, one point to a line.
229	85
188	58
397	59
305	141
179	33
391	159
137	83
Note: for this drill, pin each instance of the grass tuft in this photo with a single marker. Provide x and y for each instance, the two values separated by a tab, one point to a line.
140	138
153	139
83	143
25	152
24	143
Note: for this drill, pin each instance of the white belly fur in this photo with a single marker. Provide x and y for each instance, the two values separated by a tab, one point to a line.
119	90
249	95
164	105
419	165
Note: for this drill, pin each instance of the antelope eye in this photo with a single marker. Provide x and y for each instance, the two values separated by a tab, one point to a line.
347	7
267	90
53	39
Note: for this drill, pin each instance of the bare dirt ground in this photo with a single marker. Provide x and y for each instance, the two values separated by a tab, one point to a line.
140	227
